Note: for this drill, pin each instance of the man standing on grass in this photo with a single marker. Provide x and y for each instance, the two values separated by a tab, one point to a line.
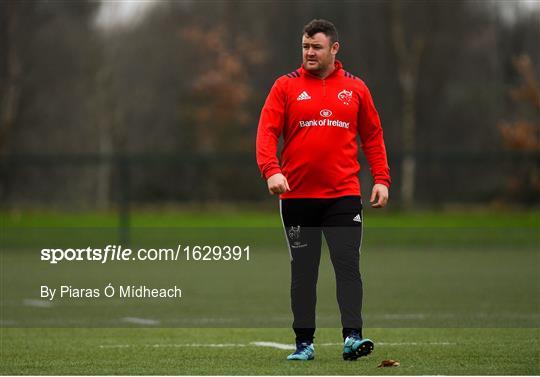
320	109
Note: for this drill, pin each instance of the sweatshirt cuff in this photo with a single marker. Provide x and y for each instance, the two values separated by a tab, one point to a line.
382	182
270	172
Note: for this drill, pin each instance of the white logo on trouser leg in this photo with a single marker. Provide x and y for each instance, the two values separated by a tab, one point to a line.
357	218
294	235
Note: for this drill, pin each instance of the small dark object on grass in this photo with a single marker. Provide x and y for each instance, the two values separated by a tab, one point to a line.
388	363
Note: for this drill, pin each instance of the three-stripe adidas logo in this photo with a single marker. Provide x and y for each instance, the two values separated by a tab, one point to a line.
303	96
357	218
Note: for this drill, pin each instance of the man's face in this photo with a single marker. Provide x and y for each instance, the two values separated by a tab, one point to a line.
318	53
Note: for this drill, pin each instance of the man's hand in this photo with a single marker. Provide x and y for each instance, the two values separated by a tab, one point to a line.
277	184
379	196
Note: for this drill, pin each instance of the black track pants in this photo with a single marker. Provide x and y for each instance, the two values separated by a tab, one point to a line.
340	220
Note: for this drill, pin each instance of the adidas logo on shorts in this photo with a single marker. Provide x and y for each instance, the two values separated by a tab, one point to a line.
303	96
357	218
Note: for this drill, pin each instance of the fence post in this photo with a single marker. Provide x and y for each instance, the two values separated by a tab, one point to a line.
124	200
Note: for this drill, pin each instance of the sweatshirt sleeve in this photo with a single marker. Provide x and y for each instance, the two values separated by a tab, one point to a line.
270	128
371	136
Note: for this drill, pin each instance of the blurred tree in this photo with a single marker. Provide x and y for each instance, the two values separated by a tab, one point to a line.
11	69
46	79
409	53
221	89
523	134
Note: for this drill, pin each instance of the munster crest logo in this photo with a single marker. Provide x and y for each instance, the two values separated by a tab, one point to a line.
345	96
294	233
294	237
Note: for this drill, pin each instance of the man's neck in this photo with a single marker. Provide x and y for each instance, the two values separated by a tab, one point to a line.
327	72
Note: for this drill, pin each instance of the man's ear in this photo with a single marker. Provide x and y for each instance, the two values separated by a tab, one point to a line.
335	48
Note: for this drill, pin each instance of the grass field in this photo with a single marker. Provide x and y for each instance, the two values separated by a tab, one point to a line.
450	293
180	351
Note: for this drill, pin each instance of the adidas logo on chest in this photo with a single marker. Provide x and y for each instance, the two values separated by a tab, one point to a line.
303	96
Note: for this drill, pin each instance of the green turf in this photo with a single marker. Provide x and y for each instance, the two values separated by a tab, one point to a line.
414	278
445	293
165	352
238	218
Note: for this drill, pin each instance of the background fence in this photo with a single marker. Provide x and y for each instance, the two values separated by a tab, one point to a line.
92	182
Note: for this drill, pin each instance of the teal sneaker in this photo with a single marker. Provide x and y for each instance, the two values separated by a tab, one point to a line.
355	347
304	351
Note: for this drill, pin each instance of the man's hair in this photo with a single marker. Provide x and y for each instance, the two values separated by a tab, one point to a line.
321	26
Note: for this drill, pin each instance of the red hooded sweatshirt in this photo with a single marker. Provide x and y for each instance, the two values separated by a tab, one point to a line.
320	120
